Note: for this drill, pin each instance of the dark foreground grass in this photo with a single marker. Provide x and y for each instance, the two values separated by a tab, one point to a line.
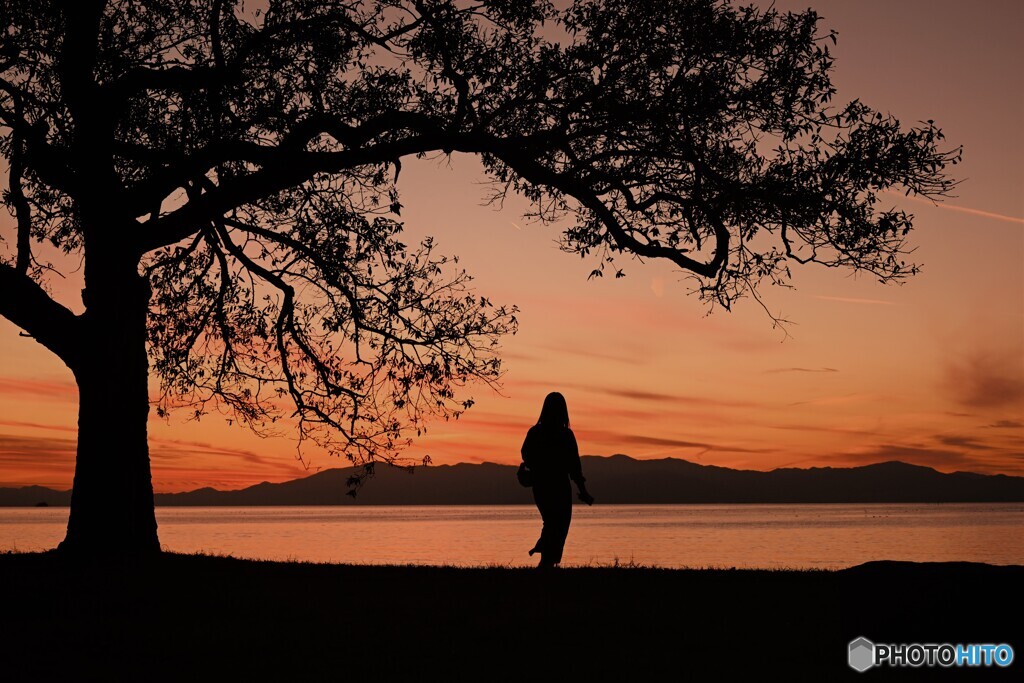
192	618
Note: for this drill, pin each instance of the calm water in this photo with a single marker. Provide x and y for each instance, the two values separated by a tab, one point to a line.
823	536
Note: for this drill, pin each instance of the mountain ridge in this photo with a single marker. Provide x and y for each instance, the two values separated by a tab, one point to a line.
616	479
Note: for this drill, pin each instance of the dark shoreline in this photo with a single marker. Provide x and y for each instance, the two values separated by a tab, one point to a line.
176	617
66	505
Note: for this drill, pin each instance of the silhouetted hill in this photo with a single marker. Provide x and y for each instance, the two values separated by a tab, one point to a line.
615	479
32	496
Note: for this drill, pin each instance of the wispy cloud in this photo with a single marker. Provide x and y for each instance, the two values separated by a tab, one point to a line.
986	379
22	449
491	422
964	442
626	440
37	425
837	400
517	356
826	430
983	214
1006	424
639	394
590	353
961	209
166	451
45	461
644	440
62	391
50	461
778	370
855	300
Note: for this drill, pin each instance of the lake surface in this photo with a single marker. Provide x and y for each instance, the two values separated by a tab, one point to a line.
795	536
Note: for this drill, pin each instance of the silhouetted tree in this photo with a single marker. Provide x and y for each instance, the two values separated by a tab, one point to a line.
226	174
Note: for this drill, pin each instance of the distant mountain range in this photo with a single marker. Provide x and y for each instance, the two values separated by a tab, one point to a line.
615	479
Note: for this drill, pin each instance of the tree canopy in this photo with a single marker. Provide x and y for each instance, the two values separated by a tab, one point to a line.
244	157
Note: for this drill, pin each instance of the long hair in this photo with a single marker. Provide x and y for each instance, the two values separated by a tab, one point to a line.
555	412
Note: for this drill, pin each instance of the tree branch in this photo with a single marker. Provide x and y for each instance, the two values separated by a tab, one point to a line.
534	172
281	170
287	167
27	305
49	164
22	209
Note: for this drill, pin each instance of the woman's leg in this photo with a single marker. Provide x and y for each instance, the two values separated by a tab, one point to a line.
555	504
560	518
542	496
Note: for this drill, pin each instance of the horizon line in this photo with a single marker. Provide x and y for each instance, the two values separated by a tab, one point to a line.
318	470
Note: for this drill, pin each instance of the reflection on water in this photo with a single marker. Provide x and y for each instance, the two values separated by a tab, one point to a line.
825	536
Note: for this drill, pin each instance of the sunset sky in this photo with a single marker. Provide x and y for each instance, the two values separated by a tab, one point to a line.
931	372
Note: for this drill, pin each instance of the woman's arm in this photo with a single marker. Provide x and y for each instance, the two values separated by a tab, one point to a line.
576	470
527	450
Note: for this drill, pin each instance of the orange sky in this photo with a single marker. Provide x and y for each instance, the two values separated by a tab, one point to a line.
931	372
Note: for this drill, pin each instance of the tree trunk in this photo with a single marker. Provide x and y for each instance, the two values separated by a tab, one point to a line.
112	499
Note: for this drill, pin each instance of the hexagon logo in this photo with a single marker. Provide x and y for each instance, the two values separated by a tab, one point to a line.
861	654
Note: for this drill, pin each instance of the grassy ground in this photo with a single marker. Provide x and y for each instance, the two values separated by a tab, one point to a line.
181	617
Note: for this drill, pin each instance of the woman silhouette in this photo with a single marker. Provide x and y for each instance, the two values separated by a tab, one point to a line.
551	454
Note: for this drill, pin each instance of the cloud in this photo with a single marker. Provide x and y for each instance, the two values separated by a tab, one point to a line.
640	439
45	461
986	379
165	451
854	300
21	449
827	430
1006	424
15	386
596	355
840	400
646	440
517	356
704	401
777	370
638	394
983	214
50	461
963	442
475	421
37	425
960	209
676	443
